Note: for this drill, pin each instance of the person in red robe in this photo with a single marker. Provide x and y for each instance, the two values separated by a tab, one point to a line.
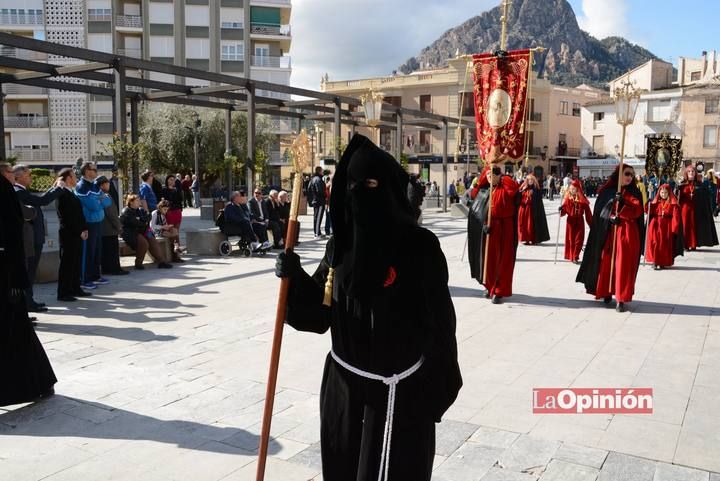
532	223
663	229
618	217
696	211
577	207
500	233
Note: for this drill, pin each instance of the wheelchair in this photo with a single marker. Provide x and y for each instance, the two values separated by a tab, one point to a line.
243	244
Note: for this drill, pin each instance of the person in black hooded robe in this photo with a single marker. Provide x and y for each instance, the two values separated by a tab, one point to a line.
25	371
532	222
696	210
391	311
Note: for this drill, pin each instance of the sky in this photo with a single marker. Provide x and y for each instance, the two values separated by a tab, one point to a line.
350	39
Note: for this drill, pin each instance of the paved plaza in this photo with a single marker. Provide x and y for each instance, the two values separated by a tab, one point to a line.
162	376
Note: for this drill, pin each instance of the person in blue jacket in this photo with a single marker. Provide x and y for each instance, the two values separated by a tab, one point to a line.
94	201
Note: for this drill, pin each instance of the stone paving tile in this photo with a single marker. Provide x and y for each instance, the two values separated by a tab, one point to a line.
528	452
494	438
621	467
563	471
450	435
641	437
582	455
309	457
499	474
468	463
670	472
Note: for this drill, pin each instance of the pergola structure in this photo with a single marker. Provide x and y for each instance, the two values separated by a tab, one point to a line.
105	74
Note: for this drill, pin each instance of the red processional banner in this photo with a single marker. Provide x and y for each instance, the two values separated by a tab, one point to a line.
500	88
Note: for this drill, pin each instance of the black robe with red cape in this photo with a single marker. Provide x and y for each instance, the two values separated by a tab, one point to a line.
539	220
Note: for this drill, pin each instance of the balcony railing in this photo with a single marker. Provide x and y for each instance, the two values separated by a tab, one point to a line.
422	148
23	122
99	17
130	52
21	19
130	21
22	54
17	89
535	151
567	152
270	29
272	62
535	117
274	2
28	155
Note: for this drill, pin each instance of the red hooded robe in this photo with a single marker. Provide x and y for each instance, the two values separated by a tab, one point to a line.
575	208
663	228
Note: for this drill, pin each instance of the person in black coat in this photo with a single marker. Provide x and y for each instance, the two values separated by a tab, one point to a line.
258	218
73	230
272	212
25	371
23	179
317	199
388	314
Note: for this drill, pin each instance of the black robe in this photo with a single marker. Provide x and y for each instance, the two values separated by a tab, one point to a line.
25	371
413	317
705	231
590	266
477	218
540	226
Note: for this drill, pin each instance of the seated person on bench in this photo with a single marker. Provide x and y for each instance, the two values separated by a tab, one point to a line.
237	219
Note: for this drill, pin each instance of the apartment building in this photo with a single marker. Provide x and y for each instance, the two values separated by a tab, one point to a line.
234	37
553	127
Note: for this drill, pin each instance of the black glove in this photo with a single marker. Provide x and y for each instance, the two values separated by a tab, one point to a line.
619	198
615	220
15	295
287	264
486	229
560	209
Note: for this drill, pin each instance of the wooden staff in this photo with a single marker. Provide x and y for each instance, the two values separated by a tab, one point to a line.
621	174
557	239
300	155
489	218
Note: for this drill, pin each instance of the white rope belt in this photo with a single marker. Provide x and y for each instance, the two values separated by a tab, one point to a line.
392	383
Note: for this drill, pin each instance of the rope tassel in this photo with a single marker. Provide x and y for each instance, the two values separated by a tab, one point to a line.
327	299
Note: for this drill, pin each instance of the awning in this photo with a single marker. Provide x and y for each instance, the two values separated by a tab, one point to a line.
609	162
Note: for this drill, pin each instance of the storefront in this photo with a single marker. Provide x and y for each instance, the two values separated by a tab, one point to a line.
597	167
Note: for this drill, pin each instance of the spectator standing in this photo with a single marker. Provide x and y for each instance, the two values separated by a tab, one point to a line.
187	193
137	234
173	195
157	187
147	196
162	227
25	372
73	231
23	179
195	189
328	220
551	187
452	193
115	187
111	228
316	198
94	203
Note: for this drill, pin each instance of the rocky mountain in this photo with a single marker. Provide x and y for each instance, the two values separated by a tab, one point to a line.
573	56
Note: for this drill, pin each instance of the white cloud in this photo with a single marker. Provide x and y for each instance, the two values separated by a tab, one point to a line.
604	18
350	39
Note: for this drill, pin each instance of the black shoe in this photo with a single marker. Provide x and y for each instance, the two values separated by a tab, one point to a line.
487	294
37	308
66	299
496	299
139	267
40	304
47	394
83	294
178	260
607	299
164	265
620	307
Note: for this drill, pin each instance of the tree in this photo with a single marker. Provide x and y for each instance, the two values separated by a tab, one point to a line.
123	152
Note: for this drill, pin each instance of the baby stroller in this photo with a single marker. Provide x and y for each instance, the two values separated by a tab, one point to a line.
243	240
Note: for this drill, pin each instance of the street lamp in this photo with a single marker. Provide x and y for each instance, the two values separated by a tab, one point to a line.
372	103
197	122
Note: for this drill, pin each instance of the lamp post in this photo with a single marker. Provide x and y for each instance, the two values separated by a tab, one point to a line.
196	126
627	98
372	103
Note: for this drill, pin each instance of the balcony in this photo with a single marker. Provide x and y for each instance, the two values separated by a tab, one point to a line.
17	89
21	19
23	54
271	62
270	29
26	122
422	149
535	151
129	21
567	152
273	2
535	117
30	155
130	52
99	17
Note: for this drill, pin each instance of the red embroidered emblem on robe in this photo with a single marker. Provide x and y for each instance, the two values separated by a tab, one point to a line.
391	276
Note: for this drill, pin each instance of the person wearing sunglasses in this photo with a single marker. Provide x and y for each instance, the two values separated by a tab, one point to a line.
608	270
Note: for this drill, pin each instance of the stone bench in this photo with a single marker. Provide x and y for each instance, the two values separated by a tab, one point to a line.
48	266
204	242
126	250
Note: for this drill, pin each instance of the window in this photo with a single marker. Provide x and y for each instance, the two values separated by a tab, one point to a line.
234	25
576	109
710	136
234	51
426	103
711	106
562	138
695	76
564	107
99	14
599	116
598	144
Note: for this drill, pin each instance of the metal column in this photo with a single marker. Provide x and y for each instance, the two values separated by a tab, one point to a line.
134	138
228	149
445	165
337	132
398	137
3	152
119	108
250	160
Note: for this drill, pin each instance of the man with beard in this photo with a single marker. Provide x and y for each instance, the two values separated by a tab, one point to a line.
25	371
696	211
500	234
392	371
618	218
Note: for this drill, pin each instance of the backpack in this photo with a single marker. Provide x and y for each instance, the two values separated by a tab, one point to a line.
220	221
